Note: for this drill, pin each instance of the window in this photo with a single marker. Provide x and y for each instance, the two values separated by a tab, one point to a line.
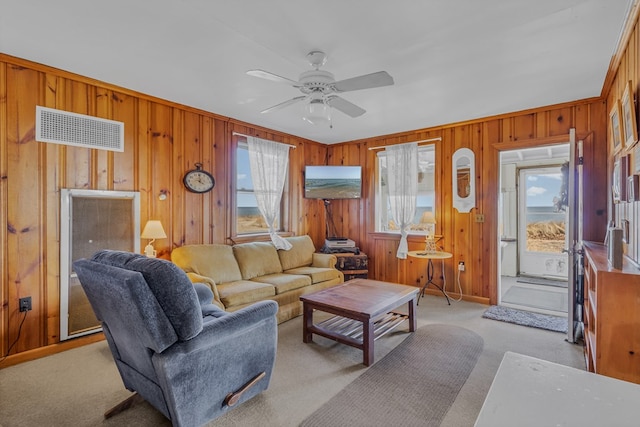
426	192
248	218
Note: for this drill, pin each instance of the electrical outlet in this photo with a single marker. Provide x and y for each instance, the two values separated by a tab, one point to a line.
479	217
461	266
25	304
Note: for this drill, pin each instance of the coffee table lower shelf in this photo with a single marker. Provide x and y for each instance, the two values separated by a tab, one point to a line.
344	329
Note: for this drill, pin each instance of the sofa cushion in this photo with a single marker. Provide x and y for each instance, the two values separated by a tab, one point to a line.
317	274
244	291
300	254
284	282
214	261
257	259
171	287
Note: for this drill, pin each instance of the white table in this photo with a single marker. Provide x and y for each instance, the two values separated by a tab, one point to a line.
532	392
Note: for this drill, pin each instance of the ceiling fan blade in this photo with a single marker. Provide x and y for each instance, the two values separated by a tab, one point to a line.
381	78
283	104
345	106
273	77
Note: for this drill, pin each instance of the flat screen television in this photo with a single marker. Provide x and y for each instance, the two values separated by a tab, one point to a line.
332	182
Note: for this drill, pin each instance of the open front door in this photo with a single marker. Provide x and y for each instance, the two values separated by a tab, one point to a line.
542	240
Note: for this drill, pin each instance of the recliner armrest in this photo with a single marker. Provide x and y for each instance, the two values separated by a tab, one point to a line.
229	326
197	278
324	260
231	350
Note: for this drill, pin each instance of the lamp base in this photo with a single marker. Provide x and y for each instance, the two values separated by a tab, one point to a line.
430	245
149	251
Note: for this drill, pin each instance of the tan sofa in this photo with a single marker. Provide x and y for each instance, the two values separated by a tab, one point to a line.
242	274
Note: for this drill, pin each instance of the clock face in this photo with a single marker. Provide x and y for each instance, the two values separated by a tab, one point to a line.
199	181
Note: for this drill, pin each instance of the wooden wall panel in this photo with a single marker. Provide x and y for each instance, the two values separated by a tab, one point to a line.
24	210
476	243
122	166
5	308
162	141
53	182
627	68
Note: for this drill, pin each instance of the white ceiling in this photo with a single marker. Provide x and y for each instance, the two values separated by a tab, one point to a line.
452	60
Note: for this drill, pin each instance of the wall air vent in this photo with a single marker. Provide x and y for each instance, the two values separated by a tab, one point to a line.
63	127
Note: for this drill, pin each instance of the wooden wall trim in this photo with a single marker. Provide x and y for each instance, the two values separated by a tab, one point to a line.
530	143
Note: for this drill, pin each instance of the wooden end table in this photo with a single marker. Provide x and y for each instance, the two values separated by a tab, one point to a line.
363	310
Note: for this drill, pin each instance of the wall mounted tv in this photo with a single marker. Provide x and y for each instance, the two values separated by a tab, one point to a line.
333	182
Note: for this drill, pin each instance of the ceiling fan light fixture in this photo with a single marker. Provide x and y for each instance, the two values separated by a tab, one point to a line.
317	111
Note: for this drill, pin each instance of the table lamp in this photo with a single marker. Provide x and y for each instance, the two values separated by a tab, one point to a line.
152	230
429	221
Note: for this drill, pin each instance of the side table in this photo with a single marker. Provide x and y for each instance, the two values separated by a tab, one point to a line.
430	256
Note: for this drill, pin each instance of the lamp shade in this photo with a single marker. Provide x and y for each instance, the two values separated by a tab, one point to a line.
427	218
153	230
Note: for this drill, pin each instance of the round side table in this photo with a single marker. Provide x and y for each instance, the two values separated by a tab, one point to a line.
430	256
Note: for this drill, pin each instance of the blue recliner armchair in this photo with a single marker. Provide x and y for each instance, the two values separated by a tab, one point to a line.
188	358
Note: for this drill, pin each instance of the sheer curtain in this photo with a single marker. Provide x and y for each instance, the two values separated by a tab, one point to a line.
269	164
402	176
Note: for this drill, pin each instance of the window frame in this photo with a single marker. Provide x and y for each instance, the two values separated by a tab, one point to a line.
284	228
436	194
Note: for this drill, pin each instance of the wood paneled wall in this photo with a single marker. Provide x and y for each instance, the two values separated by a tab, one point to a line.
626	68
475	243
162	141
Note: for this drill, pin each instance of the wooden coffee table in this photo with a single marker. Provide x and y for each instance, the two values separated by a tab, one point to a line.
363	310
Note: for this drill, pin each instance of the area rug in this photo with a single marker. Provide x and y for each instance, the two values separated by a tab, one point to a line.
526	318
537	298
414	385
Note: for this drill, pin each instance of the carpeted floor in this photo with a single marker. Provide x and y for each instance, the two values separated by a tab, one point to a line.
75	387
526	318
433	363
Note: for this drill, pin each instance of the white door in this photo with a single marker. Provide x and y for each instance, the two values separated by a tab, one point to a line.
542	239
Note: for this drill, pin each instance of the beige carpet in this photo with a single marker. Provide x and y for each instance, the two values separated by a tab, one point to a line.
74	388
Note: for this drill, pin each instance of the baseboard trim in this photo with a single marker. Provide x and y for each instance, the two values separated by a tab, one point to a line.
468	298
37	353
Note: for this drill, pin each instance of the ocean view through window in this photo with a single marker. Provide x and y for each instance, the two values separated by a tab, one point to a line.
425	200
249	220
545	221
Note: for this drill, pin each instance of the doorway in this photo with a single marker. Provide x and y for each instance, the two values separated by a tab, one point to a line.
533	229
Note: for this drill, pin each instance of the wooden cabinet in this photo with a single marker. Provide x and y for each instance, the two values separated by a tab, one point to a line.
353	266
611	315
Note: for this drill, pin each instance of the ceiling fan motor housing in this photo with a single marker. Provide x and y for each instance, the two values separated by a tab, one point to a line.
316	81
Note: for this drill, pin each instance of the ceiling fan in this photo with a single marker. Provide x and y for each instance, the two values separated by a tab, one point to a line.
320	87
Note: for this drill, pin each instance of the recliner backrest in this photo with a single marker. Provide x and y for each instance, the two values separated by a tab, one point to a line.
168	283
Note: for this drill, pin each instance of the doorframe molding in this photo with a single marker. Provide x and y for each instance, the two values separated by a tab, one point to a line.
515	145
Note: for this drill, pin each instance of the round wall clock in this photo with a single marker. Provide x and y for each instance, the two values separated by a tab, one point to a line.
198	180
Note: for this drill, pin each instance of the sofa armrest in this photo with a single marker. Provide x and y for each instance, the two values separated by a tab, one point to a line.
198	374
324	260
197	278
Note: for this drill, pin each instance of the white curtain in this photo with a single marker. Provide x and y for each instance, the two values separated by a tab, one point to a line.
269	164
402	176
